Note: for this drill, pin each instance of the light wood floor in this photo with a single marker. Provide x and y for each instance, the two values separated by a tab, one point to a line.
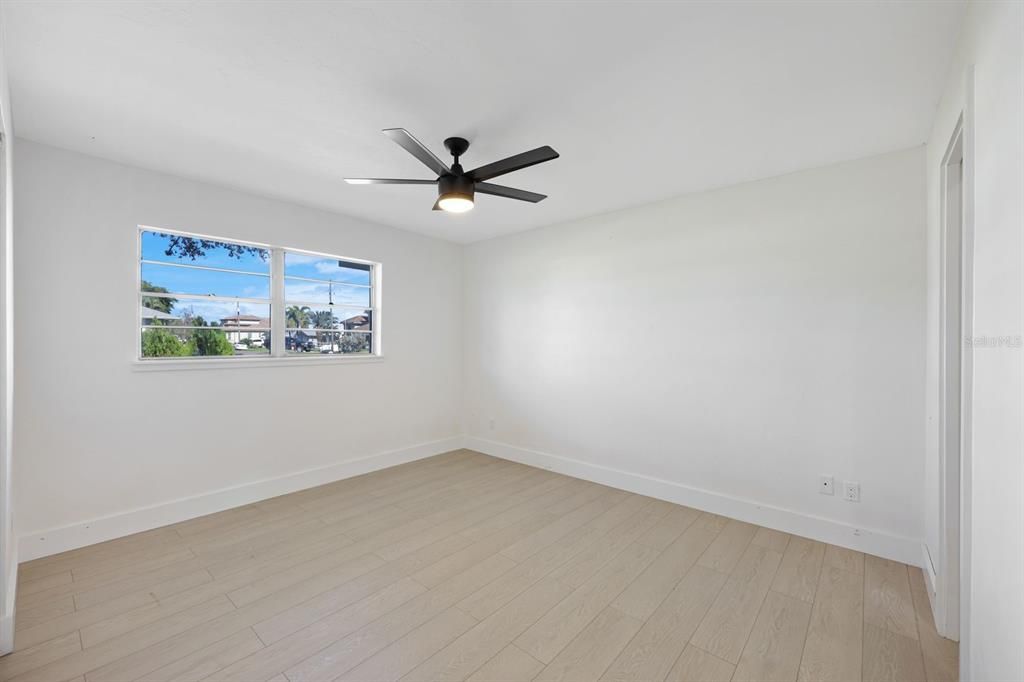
464	566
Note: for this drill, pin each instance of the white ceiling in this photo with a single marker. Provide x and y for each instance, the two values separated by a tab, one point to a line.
643	101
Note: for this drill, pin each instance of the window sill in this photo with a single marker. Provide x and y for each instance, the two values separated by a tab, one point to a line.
232	363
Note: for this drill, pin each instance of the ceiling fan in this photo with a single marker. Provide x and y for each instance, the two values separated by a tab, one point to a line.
456	187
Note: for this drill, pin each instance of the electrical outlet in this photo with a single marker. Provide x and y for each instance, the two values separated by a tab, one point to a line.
827	485
851	491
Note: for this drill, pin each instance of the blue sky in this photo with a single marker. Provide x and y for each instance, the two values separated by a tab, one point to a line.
253	281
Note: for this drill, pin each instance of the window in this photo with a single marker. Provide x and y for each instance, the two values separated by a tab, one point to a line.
202	297
328	304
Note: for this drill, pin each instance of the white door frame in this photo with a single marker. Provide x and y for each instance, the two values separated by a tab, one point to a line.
952	342
951	602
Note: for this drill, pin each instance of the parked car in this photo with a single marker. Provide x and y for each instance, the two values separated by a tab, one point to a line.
291	343
329	348
241	346
256	343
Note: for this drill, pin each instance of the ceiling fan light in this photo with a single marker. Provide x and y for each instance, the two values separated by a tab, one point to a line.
455	203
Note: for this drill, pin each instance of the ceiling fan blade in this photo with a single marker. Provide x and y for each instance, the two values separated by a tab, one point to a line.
388	181
509	192
406	141
513	163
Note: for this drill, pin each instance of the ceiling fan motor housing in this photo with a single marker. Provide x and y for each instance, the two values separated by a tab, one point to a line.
455	185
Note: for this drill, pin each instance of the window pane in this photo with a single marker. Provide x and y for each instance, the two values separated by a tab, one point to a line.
203	312
313	341
325	268
169	279
325	292
177	342
172	248
306	317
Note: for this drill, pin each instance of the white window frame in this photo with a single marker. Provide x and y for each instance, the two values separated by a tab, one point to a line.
278	355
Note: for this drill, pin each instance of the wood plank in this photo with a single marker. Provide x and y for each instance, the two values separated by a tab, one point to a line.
725	628
401	656
158	655
511	664
728	547
32	617
589	655
577	571
551	533
676	520
293	619
472	650
96	589
550	492
772	539
697	665
772	652
887	601
208	660
800	568
559	626
286	652
32	658
27	586
490	598
440	571
78	620
352	650
125	646
653	651
846	559
646	593
133	563
832	651
891	657
339	564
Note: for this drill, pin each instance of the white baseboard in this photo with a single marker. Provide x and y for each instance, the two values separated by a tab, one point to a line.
867	540
55	540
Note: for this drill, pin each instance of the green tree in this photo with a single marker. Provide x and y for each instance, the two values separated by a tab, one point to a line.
164	305
322	319
297	317
210	342
190	320
355	343
160	343
195	247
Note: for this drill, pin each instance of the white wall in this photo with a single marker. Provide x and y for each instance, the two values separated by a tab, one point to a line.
739	342
993	636
8	544
96	439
